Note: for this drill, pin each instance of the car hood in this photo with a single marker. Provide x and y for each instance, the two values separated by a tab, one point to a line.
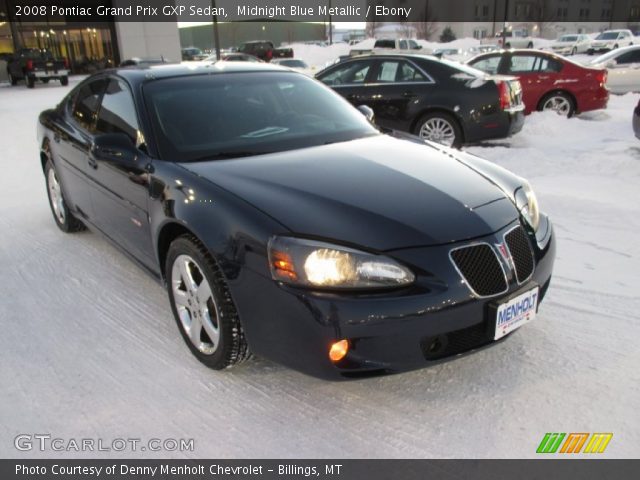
379	192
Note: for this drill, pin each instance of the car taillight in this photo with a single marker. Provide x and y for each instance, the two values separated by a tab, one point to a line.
504	94
601	77
65	61
29	65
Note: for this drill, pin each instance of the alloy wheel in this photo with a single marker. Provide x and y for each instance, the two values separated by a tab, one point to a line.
438	130
55	195
195	304
558	104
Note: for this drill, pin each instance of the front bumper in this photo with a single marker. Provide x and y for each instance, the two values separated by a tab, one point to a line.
388	332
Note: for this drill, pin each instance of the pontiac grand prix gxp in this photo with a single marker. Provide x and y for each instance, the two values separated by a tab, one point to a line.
285	224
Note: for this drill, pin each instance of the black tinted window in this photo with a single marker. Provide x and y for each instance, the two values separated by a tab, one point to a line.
87	102
629	57
349	73
117	112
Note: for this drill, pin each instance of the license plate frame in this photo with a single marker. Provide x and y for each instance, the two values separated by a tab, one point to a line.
515	311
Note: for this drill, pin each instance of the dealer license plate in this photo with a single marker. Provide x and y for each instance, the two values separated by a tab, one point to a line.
516	312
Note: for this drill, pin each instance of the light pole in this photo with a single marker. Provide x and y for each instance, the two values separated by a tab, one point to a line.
216	33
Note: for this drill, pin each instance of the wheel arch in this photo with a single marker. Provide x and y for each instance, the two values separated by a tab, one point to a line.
45	154
166	235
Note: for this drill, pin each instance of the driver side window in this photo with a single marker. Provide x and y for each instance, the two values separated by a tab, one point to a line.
488	65
117	112
87	102
350	73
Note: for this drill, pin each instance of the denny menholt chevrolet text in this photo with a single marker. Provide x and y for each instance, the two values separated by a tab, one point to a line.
285	224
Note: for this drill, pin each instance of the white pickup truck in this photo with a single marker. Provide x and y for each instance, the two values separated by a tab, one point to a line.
510	39
387	45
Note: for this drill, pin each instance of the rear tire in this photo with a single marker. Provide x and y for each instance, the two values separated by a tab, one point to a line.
63	217
439	127
13	80
64	81
590	51
202	305
559	102
31	81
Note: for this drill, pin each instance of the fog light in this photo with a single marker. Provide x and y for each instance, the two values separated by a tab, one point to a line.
338	350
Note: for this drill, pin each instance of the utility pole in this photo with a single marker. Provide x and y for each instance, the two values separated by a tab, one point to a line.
216	33
506	16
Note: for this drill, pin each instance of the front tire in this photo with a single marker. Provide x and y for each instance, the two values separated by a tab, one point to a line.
559	102
202	305
13	80
64	81
439	127
63	217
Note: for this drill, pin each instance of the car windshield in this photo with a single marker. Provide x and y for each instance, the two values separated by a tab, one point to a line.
230	115
568	38
607	36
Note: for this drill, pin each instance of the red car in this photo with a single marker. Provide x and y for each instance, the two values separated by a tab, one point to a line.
549	82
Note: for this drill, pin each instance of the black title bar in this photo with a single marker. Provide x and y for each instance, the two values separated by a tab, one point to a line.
605	12
584	469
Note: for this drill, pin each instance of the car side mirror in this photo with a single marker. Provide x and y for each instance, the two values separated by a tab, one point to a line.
367	112
115	148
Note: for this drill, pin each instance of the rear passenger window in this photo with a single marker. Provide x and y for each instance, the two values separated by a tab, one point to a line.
398	71
87	102
118	113
533	64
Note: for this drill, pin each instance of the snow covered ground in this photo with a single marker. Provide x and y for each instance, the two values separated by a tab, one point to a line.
89	347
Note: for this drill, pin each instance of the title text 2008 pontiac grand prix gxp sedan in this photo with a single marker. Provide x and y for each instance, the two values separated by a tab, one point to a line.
285	224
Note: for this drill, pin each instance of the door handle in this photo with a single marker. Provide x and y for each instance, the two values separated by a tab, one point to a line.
408	94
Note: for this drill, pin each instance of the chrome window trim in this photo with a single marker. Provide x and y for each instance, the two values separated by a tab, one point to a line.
429	81
464	280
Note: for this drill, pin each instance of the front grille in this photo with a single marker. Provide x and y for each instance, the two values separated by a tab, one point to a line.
481	269
521	253
453	343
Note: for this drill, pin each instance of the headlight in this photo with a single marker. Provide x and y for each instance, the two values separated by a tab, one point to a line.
317	264
527	204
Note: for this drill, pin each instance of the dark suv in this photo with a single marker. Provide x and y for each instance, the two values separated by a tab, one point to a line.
263	49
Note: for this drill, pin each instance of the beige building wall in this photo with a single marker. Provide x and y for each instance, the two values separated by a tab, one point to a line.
148	39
